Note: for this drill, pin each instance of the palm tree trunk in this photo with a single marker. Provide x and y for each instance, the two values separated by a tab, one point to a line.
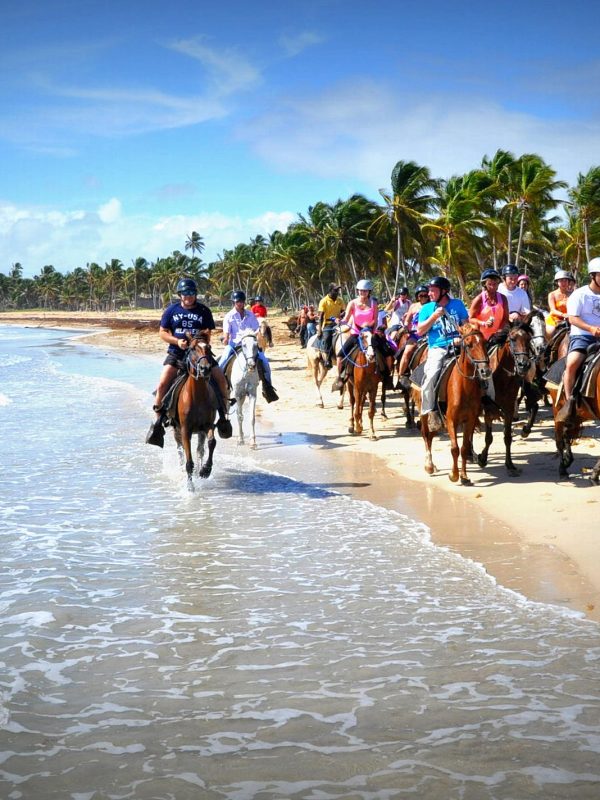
509	240
520	242
586	239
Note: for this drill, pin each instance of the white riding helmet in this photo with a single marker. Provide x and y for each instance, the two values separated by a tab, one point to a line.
563	273
368	285
594	265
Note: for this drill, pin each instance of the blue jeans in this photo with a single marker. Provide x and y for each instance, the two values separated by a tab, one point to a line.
229	352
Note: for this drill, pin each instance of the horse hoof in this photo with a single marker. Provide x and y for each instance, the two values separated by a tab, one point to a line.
453	478
525	433
205	473
320	405
429	470
513	472
481	461
466	482
373	437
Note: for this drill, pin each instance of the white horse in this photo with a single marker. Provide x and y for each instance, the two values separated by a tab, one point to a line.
315	363
244	383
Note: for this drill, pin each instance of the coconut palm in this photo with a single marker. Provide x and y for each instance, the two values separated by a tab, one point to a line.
195	243
585	196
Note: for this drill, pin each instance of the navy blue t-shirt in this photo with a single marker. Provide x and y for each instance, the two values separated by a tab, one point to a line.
180	321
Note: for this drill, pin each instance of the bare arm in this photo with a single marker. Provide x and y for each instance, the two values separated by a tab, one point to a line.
585	326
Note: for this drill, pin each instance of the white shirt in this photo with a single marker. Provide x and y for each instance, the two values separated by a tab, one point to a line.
585	304
234	325
518	299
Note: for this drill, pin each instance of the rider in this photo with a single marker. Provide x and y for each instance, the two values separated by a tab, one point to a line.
519	304
439	319
330	308
235	323
489	310
259	308
398	306
360	313
583	309
411	319
557	299
186	316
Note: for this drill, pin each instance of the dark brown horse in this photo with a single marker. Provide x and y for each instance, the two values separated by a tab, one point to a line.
196	410
469	373
511	364
588	408
362	383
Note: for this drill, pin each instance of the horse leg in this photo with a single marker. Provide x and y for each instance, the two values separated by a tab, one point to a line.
340	404
430	467
186	439
466	450
563	445
200	451
179	444
352	401
482	458
359	403
508	462
383	414
372	405
454	448
239	406
212	443
532	407
595	473
319	374
252	415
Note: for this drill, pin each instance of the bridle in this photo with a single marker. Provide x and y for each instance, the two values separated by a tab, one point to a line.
197	359
482	371
249	361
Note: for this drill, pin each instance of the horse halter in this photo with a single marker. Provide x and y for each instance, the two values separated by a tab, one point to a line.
197	359
250	360
365	343
521	358
482	365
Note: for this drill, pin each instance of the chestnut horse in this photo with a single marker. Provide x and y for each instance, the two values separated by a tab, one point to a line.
565	433
511	364
363	379
469	373
196	409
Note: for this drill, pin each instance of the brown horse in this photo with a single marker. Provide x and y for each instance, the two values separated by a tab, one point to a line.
511	363
362	383
196	410
469	373
565	433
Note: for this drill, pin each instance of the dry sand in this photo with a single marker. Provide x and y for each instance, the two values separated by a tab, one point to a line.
533	534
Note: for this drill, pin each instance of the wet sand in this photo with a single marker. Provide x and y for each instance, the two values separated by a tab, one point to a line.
533	534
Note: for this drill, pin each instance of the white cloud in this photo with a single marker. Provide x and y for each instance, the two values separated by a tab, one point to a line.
36	237
295	44
229	70
358	131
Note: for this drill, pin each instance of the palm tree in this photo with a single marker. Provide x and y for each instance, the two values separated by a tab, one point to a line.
48	285
113	280
195	243
585	196
411	199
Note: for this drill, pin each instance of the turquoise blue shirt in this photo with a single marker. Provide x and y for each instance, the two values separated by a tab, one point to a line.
443	332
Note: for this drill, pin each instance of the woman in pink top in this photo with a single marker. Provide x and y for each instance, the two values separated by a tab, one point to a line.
489	310
360	313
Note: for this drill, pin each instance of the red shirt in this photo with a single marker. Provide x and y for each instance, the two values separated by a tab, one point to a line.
259	310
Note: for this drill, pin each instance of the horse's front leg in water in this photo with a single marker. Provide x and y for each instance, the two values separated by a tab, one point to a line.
200	451
186	439
212	443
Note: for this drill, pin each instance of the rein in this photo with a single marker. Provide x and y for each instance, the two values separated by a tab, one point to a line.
194	368
476	362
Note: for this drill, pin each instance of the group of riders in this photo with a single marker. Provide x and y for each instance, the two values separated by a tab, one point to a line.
187	320
434	315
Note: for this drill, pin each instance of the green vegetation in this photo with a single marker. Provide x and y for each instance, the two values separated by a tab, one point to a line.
505	211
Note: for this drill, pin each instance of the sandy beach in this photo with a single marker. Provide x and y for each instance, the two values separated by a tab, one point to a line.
534	534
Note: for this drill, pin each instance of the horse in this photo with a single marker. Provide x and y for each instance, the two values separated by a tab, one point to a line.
196	410
470	371
244	380
362	382
511	363
264	335
316	359
565	433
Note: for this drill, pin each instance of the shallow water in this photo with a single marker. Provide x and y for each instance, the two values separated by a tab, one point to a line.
262	638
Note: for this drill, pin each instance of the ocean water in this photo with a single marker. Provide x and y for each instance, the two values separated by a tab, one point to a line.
263	637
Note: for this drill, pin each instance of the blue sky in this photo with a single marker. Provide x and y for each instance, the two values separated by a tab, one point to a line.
126	125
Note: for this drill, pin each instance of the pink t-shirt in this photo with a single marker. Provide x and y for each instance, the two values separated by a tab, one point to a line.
363	316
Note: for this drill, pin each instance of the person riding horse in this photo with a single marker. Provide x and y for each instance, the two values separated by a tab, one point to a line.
411	319
583	309
330	308
519	305
439	320
182	320
235	323
259	308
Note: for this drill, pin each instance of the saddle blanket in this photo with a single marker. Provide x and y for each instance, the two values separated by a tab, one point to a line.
586	381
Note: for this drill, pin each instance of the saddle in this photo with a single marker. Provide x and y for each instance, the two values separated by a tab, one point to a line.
417	376
585	382
560	331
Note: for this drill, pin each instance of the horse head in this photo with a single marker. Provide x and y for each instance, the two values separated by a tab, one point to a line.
249	349
365	342
198	357
537	323
520	336
475	351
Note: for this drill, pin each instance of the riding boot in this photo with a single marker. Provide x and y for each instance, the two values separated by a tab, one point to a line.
567	411
403	381
490	406
156	434
387	381
223	426
268	391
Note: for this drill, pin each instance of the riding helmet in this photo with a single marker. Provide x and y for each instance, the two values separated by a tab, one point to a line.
442	283
259	298
237	296
489	273
367	285
404	290
422	288
523	278
563	273
594	265
510	269
187	286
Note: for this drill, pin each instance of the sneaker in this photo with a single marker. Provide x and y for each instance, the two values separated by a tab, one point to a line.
156	434
434	422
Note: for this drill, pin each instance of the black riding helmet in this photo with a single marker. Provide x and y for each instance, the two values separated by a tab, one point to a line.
238	296
259	298
490	273
421	288
187	286
510	269
442	283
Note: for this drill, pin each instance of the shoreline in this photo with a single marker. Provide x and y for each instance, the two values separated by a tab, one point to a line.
534	535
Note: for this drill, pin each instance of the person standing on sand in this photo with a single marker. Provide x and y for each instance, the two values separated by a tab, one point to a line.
186	317
330	308
583	308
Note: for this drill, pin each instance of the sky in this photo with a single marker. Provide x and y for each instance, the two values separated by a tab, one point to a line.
125	126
